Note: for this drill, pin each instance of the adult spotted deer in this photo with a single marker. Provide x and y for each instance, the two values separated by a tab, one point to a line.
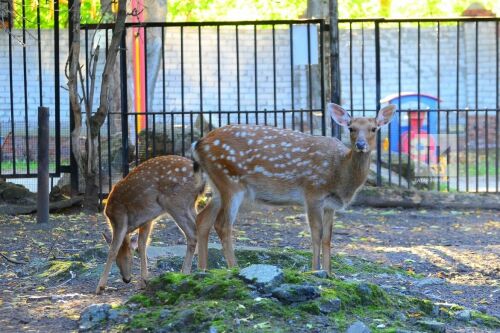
280	166
159	186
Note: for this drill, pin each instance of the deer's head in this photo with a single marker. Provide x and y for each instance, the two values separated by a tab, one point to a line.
363	130
125	255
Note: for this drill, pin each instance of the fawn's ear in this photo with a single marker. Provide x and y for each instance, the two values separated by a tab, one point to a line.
134	242
385	114
107	237
338	114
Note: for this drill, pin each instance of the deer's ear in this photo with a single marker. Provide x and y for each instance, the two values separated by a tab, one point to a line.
107	237
134	242
385	114
338	114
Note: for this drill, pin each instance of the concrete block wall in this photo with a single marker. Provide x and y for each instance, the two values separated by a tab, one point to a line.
363	81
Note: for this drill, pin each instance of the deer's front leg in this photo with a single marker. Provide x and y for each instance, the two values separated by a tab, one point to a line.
315	219
144	233
118	237
326	239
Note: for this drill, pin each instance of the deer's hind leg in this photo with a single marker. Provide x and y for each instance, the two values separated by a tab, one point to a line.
186	222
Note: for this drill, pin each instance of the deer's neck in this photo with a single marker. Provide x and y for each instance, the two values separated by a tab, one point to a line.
355	168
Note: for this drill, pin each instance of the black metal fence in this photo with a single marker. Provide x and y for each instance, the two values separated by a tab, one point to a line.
451	67
443	74
25	86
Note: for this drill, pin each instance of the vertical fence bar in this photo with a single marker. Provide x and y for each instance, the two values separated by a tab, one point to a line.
497	150
255	74
238	96
400	171
457	102
476	104
438	65
322	76
25	87
219	103
57	97
363	98
183	130
309	80
418	164
292	96
351	97
377	97
200	65
274	78
124	104
163	90
42	197
11	89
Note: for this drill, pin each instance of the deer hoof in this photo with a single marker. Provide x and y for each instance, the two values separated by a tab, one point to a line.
100	290
143	284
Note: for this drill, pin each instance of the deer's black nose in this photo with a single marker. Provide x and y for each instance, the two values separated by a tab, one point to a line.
127	280
361	145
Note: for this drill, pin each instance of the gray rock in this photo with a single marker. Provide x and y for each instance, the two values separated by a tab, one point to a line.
329	306
292	293
365	292
184	319
429	282
262	276
433	326
464	315
64	297
320	274
165	313
117	316
92	315
358	327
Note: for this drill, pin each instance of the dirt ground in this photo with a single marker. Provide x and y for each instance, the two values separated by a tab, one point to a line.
461	247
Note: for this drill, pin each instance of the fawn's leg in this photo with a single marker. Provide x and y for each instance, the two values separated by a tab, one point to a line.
326	239
186	222
118	236
144	233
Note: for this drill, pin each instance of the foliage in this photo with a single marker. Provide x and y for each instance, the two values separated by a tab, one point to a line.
90	13
220	10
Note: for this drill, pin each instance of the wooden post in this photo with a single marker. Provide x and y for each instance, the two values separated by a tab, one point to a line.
42	200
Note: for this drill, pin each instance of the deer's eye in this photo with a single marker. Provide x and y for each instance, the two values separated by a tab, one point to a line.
374	129
351	129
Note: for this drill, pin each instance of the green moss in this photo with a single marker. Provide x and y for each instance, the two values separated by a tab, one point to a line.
486	320
61	269
310	307
291	276
141	299
145	321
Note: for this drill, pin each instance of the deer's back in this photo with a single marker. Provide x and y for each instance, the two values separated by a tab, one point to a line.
153	188
274	165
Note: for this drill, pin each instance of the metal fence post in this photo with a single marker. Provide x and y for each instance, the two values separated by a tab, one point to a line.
124	104
377	96
42	199
334	60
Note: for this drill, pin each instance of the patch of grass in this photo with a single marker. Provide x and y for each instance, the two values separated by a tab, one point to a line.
486	320
60	269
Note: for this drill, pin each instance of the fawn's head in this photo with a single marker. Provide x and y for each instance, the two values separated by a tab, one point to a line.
125	255
363	130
